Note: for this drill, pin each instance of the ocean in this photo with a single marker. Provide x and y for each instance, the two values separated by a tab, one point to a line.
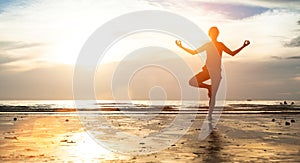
147	107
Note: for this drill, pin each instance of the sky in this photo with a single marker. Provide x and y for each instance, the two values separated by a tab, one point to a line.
41	40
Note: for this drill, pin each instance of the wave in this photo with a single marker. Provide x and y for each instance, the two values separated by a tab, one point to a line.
144	108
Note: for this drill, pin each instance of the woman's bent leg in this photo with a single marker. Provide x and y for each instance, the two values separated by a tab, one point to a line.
198	79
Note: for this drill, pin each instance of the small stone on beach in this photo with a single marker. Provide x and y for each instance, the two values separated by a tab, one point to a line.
15	119
273	120
287	123
293	121
11	137
67	120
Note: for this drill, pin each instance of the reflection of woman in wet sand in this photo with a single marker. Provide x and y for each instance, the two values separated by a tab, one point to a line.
212	68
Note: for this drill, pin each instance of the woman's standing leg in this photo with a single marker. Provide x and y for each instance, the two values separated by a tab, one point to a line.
215	82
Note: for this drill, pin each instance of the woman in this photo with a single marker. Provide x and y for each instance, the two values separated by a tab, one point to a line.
212	68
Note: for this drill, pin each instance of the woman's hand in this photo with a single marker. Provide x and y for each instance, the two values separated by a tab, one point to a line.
178	43
246	43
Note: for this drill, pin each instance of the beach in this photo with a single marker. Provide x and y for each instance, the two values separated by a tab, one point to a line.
244	133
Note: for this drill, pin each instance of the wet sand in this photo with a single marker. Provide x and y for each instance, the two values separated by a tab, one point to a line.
60	137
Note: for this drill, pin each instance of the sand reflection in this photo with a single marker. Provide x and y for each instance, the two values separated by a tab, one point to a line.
50	138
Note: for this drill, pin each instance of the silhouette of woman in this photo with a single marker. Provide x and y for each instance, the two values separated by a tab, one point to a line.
212	67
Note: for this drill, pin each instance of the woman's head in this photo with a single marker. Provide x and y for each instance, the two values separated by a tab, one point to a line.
213	33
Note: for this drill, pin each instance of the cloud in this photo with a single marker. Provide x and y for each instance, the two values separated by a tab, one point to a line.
280	58
18	55
7	59
5	5
10	45
34	84
19	63
293	57
231	10
262	79
234	11
283	4
5	51
295	42
276	57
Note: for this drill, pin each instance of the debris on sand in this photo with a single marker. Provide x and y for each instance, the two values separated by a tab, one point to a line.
11	137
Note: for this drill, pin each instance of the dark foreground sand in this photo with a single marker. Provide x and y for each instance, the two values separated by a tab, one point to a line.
60	137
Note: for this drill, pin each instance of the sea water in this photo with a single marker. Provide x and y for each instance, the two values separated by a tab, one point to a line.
145	106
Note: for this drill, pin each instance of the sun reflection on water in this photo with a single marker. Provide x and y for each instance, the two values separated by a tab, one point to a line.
86	149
